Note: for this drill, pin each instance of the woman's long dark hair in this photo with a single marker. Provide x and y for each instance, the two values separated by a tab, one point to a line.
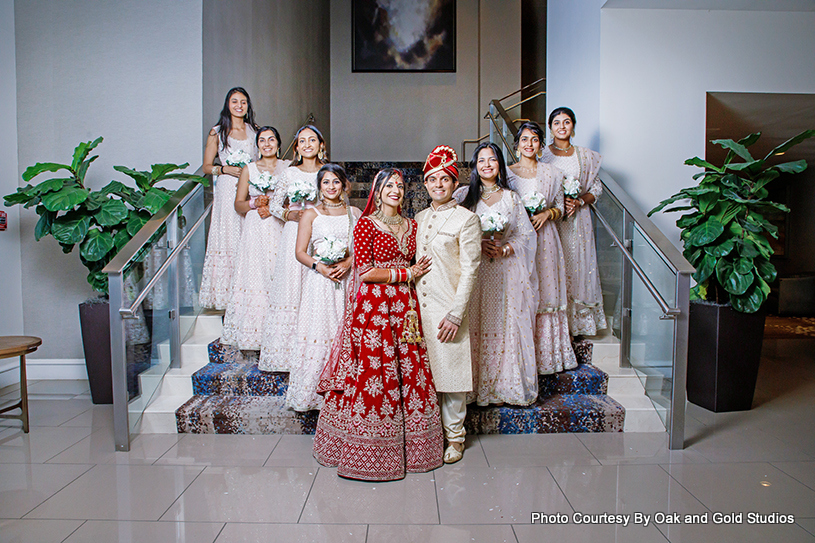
557	111
320	138
225	121
474	192
337	170
271	129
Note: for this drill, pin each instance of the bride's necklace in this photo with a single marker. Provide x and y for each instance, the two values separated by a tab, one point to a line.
486	193
396	219
330	205
563	149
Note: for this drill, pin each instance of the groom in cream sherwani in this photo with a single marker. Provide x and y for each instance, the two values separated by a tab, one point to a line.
451	236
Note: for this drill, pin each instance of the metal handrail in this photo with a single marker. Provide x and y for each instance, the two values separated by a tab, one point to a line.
522	88
465	142
668	311
130	312
145	233
513	106
672	256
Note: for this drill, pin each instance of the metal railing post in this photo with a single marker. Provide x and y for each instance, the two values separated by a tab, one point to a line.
627	298
173	297
118	360
676	438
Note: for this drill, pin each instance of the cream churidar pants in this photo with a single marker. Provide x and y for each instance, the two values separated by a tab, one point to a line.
453	410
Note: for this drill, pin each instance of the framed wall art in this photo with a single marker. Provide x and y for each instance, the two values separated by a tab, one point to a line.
404	35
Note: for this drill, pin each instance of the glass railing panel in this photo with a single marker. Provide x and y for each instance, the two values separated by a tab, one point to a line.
147	344
658	271
612	211
610	268
651	356
191	260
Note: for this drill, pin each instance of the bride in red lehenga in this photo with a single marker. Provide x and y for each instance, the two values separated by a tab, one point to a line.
381	415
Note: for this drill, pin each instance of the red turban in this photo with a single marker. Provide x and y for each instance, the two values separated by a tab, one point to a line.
441	158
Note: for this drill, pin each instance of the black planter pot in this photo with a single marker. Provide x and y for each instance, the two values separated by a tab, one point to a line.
724	351
94	320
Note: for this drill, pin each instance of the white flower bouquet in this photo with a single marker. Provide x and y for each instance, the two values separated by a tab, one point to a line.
493	224
264	182
534	202
300	190
330	250
571	186
239	158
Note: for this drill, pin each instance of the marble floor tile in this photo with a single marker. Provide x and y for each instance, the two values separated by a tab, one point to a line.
100	448
743	445
244	494
236	532
754	486
803	472
335	500
119	492
485	533
293	452
587	533
37	531
220	450
636	448
107	531
98	416
743	533
496	495
473	454
807	524
535	450
624	489
61	387
25	486
55	412
38	445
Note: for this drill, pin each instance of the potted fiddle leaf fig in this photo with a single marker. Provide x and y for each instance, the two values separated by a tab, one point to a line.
100	223
724	231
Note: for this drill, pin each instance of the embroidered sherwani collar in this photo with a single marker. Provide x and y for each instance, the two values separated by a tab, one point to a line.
444	207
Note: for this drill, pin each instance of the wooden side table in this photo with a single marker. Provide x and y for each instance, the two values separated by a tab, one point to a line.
11	346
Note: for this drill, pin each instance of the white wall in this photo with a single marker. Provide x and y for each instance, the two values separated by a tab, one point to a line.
402	116
656	67
573	64
130	71
277	51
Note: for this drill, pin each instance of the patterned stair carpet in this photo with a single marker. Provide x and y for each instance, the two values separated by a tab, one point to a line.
233	397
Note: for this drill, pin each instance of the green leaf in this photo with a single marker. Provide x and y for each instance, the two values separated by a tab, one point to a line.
98	281
120	239
189	176
705	268
136	221
112	212
731	195
142	179
791	167
733	181
22	196
692	254
747	141
32	171
70	228
696	161
766	270
736	148
154	200
793	141
748	249
82	151
750	301
67	247
665	202
96	200
688	220
43	226
763	179
96	245
680	208
722	249
743	265
698	191
737	283
707	201
83	169
742	166
763	286
731	211
160	171
723	269
51	185
65	199
705	233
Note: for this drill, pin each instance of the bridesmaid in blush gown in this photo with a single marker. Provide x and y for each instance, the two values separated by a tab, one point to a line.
553	344
257	250
280	324
503	303
234	132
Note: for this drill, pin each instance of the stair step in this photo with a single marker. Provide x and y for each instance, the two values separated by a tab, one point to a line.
238	379
641	414
269	415
560	413
584	379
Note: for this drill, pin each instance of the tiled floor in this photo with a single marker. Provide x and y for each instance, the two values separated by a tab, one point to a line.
63	482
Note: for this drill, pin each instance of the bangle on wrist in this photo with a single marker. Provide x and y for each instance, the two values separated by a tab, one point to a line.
391	276
285	214
409	275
